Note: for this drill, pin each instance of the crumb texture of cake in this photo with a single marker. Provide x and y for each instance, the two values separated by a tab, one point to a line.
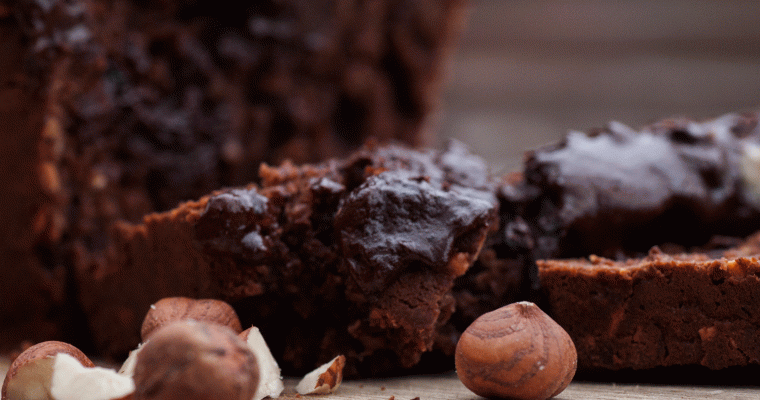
355	256
114	109
661	310
35	53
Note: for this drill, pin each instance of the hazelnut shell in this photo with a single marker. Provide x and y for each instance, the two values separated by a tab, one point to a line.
516	352
37	352
172	309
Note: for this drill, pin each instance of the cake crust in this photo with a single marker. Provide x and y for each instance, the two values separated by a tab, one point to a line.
662	310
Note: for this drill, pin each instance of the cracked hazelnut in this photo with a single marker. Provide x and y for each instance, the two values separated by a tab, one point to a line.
516	352
270	379
192	360
325	379
29	375
59	371
172	309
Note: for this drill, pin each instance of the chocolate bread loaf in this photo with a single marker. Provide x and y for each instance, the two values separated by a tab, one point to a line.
115	109
135	134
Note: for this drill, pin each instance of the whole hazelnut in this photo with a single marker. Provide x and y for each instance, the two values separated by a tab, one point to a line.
516	352
29	375
192	360
172	309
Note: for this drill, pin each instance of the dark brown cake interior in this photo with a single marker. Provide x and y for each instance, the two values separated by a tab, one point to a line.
116	109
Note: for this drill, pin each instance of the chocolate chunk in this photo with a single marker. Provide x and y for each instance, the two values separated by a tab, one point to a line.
395	221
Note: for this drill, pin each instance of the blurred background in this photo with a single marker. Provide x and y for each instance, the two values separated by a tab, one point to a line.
526	72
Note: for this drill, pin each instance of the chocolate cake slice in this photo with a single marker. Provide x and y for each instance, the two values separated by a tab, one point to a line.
354	257
113	109
607	197
616	192
661	310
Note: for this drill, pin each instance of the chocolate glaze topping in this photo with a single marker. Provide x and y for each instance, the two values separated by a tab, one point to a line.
618	192
396	221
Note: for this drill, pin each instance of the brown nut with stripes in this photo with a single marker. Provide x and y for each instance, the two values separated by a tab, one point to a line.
192	360
171	309
516	352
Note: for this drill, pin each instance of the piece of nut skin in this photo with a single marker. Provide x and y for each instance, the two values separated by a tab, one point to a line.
192	360
29	375
325	379
270	379
172	309
516	352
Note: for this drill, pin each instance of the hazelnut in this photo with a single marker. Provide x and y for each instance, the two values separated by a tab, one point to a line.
57	370
30	374
270	379
192	360
172	309
517	352
324	379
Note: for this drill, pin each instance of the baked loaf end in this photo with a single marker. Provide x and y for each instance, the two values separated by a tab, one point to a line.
113	109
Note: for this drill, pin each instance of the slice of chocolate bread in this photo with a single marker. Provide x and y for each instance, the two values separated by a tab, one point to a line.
354	257
662	310
616	192
678	184
113	109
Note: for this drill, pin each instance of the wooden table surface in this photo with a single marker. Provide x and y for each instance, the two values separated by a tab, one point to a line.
448	387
